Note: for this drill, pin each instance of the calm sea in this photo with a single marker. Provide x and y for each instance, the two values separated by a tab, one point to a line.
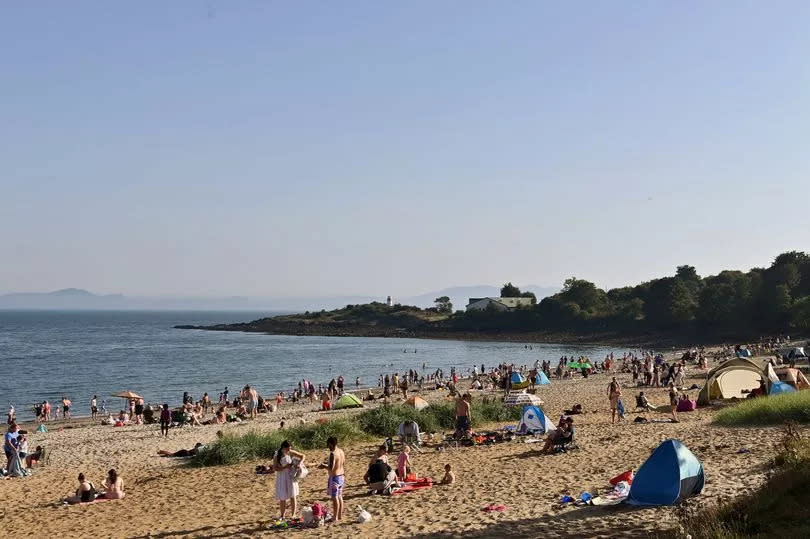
47	354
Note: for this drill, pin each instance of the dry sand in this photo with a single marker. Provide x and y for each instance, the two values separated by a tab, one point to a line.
166	498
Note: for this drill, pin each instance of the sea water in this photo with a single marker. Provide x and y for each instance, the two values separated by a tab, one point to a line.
78	354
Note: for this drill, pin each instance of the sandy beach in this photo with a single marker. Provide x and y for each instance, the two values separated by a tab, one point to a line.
167	498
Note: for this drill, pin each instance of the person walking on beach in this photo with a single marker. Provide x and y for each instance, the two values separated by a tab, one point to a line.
94	407
286	488
337	479
614	392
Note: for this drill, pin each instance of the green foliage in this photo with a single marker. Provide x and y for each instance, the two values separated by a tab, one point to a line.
231	449
443	304
728	304
381	421
767	411
800	313
510	291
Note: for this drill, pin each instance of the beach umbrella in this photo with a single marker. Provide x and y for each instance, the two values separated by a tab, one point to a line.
522	399
127	395
417	402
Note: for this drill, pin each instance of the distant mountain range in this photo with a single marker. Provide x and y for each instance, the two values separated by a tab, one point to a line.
75	298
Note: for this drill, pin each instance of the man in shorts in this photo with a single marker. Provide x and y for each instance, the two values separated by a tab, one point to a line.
94	407
337	478
66	408
463	423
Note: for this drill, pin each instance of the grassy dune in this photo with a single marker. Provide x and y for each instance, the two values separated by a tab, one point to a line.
377	422
767	411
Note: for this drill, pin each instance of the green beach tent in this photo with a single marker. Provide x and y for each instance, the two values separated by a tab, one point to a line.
348	401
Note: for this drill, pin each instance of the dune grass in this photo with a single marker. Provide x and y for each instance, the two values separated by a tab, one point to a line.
378	422
773	410
780	508
251	445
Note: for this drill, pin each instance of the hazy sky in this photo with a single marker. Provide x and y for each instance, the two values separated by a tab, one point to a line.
297	148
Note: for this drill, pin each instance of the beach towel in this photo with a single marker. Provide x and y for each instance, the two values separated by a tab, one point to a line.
411	486
626	476
686	406
494	507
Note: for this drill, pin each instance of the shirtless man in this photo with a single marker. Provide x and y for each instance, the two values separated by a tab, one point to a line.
66	408
463	423
337	479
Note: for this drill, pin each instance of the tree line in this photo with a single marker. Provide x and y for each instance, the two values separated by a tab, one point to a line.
772	299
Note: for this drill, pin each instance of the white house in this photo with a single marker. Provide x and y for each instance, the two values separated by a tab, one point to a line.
500	304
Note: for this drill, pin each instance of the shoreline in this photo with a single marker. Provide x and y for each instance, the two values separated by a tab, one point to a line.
660	341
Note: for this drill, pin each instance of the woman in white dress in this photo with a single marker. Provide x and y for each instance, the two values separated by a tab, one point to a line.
286	488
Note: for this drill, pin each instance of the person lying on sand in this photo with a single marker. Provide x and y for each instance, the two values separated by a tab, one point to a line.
182	453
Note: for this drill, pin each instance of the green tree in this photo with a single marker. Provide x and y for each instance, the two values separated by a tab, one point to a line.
800	313
443	304
510	291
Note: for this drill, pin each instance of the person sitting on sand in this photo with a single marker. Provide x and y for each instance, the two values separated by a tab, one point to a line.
563	433
404	463
85	493
379	476
575	410
113	486
643	403
449	477
34	458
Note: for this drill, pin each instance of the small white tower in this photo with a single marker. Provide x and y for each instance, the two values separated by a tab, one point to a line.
389	302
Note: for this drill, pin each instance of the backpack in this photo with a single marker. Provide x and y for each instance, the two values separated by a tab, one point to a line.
318	511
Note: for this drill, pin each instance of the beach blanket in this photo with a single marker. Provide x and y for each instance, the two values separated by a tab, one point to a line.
620	493
420	483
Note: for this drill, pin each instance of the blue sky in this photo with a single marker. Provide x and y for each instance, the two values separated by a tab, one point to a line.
295	148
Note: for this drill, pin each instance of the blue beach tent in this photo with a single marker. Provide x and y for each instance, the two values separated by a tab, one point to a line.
670	475
781	387
535	421
541	379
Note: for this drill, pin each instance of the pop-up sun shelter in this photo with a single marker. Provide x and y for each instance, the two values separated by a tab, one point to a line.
793	377
730	379
541	379
348	401
671	474
519	381
535	421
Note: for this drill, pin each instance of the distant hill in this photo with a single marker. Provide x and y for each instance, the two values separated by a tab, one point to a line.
79	299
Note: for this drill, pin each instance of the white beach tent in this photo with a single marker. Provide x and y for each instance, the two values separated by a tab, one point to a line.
535	421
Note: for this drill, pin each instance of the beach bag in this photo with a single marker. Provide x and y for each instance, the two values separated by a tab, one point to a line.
363	516
306	515
626	476
318	511
301	471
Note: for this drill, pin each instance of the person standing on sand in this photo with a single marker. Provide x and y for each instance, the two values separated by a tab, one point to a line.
613	393
66	407
673	401
337	479
286	487
94	407
165	420
463	423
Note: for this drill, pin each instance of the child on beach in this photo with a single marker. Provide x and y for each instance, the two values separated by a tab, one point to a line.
165	420
404	463
449	477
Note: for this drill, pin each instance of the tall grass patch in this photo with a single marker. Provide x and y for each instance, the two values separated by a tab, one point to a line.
252	445
765	411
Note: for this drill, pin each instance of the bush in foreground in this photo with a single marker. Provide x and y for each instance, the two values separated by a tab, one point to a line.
381	422
773	410
231	449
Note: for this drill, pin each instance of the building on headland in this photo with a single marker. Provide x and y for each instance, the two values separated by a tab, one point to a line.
499	304
389	302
